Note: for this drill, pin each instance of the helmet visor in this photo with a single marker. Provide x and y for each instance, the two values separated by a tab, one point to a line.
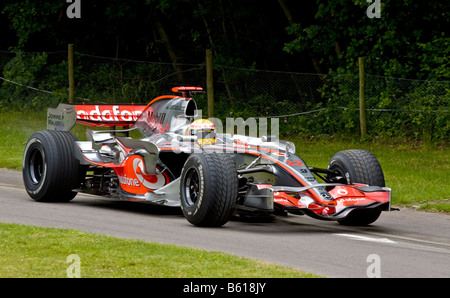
206	134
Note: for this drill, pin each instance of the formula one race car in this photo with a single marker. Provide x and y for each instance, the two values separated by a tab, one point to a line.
183	160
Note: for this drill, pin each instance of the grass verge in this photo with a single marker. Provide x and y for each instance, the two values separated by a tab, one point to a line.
28	251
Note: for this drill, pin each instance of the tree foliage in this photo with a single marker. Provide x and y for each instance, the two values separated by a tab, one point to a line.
397	44
410	39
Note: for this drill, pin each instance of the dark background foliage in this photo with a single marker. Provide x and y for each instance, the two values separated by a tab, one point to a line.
271	58
409	40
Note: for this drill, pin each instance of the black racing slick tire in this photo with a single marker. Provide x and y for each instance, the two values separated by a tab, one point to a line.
50	170
208	189
358	166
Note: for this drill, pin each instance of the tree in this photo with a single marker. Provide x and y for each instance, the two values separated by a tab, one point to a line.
341	32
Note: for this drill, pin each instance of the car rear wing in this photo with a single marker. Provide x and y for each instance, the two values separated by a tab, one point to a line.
66	115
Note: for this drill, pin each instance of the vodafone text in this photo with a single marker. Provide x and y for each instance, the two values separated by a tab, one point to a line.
108	113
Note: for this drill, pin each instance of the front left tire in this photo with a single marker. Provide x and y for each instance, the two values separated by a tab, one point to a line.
358	166
50	170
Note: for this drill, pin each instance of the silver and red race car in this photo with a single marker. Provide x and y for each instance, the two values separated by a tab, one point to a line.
182	160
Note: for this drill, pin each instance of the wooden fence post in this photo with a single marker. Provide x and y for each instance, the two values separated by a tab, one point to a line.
362	105
71	75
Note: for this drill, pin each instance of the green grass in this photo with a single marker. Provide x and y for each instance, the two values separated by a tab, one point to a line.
416	173
27	251
15	129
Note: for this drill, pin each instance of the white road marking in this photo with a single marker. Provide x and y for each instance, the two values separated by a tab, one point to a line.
365	238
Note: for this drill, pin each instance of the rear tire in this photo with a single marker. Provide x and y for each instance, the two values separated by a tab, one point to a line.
50	170
358	166
208	189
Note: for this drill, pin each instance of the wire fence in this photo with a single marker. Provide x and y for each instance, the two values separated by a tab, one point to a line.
306	104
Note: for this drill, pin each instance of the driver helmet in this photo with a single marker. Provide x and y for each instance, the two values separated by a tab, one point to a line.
204	130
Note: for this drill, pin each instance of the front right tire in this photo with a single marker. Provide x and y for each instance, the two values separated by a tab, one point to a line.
208	189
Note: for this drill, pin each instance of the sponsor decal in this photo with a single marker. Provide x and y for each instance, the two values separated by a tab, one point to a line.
201	190
157	117
280	200
149	181
352	199
128	181
109	113
133	176
342	192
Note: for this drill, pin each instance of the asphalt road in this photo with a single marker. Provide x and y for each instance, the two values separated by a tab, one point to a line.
405	243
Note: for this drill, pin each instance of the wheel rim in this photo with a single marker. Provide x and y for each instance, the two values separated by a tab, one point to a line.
192	186
342	174
36	166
